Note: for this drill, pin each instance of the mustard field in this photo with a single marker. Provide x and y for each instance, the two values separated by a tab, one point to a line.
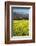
20	27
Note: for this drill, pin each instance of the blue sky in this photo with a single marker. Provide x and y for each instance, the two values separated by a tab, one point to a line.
21	11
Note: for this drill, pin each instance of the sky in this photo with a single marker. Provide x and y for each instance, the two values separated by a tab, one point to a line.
21	11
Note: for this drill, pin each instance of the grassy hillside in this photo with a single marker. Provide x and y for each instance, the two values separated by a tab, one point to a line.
20	27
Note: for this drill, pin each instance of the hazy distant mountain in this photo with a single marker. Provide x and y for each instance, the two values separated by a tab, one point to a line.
20	16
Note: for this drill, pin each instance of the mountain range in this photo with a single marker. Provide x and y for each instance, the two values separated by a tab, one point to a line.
20	16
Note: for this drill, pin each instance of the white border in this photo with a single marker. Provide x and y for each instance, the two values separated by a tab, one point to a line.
30	26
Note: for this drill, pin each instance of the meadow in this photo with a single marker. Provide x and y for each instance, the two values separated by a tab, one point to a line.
20	27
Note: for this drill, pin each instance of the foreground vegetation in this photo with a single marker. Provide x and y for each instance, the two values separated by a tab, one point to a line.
20	27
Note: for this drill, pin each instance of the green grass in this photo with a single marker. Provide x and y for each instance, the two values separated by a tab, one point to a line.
20	27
